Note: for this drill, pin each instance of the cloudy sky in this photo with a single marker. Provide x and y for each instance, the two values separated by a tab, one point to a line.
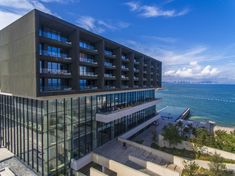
195	39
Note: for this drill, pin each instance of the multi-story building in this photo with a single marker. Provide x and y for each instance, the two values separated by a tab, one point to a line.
65	91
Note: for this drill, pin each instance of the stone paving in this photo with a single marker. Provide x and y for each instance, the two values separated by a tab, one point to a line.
114	150
7	160
17	167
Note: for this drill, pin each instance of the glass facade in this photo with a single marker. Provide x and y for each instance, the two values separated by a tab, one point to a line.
47	134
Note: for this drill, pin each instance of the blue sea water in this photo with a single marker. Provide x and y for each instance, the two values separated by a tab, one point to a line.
207	101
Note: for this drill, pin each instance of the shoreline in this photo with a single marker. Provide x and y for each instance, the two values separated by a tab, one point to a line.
218	125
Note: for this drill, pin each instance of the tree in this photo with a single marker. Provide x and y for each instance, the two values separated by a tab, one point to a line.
170	134
217	167
190	169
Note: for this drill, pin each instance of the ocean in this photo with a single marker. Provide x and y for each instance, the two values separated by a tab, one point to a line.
207	101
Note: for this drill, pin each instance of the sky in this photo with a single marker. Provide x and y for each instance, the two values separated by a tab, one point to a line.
194	39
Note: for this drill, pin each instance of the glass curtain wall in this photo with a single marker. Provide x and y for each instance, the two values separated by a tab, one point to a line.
46	135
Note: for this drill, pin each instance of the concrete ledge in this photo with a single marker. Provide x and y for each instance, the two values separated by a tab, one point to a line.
140	127
5	154
95	172
80	163
153	167
106	118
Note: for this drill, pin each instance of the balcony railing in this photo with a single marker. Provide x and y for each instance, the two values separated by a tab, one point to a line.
55	88
136	78
88	60
54	54
136	62
124	67
54	36
90	74
125	86
88	87
108	64
109	87
124	77
55	71
109	75
136	70
125	58
109	53
87	46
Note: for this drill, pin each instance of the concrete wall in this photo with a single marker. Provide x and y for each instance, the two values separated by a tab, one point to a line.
205	164
161	154
222	153
123	170
184	145
153	167
189	146
120	169
78	164
17	57
95	172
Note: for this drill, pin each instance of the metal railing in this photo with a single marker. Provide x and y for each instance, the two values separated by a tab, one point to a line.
54	71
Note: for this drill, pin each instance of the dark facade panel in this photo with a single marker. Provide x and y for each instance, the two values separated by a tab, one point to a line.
42	55
97	64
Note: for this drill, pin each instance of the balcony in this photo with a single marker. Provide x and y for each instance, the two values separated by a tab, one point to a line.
124	68
55	72
88	61
109	54
124	77
145	65
136	62
88	88
55	56
109	65
56	37
119	113
109	87
125	58
136	70
88	74
124	86
136	78
60	88
88	47
109	76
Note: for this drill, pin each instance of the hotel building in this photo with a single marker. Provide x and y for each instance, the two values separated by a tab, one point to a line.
65	91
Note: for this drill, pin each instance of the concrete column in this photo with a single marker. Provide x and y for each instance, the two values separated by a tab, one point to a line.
118	64
131	70
75	54
100	47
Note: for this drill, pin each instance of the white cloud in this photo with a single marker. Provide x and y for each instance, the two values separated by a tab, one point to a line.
200	63
194	71
133	5
17	8
99	26
154	11
7	18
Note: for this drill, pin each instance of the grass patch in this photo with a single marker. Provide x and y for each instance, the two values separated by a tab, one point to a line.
187	154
